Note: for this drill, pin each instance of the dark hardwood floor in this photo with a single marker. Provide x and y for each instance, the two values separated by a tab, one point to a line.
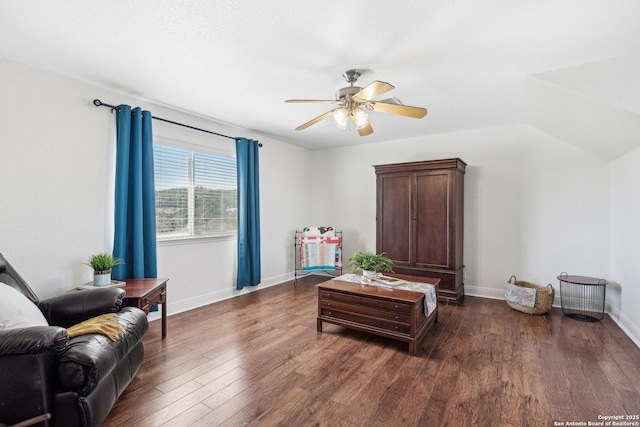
258	360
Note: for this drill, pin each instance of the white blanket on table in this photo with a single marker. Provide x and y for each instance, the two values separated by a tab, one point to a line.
430	297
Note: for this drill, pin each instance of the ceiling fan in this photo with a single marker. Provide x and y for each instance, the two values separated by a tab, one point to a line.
353	101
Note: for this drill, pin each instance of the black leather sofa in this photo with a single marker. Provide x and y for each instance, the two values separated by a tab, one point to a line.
76	381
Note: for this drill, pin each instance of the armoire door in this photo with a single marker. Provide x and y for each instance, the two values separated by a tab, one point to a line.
394	218
432	226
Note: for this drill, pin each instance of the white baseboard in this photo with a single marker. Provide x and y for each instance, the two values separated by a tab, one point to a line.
477	291
628	327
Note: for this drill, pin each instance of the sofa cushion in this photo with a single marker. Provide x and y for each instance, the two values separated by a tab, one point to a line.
91	358
18	311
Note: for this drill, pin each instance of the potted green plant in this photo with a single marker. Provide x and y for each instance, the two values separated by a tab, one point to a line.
102	264
371	263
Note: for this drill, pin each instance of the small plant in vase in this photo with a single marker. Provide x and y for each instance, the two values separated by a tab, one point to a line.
102	265
371	263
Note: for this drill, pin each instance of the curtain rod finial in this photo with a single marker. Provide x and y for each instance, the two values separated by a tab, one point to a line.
97	102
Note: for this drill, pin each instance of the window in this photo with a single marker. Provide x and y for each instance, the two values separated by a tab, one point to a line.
195	193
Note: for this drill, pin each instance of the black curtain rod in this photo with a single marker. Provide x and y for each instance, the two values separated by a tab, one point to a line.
99	103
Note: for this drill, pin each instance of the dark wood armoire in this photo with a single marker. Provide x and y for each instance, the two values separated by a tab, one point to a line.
420	221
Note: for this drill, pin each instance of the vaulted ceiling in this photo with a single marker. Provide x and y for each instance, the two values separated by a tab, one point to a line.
471	64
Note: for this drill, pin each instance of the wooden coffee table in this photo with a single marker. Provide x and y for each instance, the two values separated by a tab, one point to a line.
144	294
391	313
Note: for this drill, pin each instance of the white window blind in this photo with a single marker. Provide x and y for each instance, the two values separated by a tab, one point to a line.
195	193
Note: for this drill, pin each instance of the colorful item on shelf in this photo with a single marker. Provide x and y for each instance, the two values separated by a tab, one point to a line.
320	252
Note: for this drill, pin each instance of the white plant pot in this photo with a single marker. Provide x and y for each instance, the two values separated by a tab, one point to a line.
101	278
368	273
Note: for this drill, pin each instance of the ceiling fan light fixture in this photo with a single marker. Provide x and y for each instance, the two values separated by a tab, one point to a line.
354	103
341	117
360	118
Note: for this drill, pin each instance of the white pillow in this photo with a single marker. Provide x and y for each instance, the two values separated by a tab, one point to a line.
18	311
319	231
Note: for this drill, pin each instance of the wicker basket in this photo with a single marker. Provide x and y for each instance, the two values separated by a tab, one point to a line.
544	297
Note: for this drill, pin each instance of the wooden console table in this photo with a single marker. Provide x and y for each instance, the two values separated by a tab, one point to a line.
391	313
144	294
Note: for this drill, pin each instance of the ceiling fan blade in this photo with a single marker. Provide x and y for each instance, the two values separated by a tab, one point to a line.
375	89
401	110
367	130
316	120
321	101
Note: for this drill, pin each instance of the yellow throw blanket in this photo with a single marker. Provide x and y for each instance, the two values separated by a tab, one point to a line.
106	324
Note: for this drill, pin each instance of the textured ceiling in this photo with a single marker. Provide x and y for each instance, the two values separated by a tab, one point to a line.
237	61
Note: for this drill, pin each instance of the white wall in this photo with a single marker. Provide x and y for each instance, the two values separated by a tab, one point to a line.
534	205
56	169
625	242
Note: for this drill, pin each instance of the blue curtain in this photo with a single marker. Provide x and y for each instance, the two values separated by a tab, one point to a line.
135	216
248	212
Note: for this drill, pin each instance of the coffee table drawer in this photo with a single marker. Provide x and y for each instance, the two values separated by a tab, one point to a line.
365	310
371	302
402	328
